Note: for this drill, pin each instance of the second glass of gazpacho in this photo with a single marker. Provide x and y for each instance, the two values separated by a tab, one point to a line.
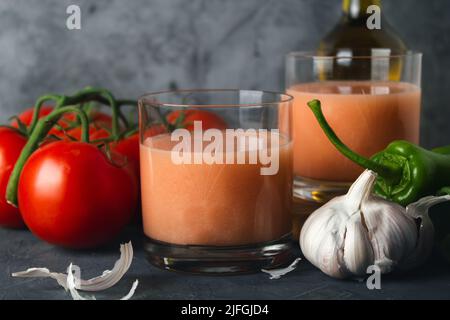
369	102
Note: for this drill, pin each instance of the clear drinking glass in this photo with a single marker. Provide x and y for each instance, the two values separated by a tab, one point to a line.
216	179
368	100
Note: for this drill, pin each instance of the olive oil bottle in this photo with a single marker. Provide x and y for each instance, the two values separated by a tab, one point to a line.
352	37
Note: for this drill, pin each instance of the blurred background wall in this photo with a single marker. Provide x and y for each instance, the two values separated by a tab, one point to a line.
137	46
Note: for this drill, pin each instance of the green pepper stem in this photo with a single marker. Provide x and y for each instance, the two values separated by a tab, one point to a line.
42	127
384	171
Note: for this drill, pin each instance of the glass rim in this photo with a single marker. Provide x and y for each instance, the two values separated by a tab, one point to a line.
315	55
142	100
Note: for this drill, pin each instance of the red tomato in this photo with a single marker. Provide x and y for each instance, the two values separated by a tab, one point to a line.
129	147
11	144
95	133
26	116
100	119
71	195
209	120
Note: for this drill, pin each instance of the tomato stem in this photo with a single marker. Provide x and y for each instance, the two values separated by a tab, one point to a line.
125	102
85	95
39	132
37	108
100	95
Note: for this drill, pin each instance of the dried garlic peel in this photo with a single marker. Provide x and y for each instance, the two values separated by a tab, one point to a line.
278	273
42	273
72	286
72	283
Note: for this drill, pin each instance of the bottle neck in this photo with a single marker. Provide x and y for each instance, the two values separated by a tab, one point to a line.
357	9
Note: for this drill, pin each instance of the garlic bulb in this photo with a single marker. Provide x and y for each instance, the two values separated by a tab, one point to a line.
359	229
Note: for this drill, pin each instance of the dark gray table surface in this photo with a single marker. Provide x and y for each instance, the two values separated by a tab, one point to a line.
20	250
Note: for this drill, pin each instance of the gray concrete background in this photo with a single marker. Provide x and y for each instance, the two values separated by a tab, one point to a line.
138	46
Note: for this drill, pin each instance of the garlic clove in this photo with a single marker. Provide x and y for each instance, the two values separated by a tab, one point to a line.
358	253
360	190
392	234
326	252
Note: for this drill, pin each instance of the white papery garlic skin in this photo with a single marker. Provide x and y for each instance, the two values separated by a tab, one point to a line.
359	229
72	283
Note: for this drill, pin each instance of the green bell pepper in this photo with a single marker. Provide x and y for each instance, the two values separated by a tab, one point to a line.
406	172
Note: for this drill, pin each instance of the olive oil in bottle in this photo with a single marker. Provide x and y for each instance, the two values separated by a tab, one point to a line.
352	37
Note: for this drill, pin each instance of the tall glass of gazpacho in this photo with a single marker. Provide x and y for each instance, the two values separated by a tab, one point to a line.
216	179
369	101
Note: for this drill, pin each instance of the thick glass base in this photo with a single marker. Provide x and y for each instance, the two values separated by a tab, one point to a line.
216	260
318	191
